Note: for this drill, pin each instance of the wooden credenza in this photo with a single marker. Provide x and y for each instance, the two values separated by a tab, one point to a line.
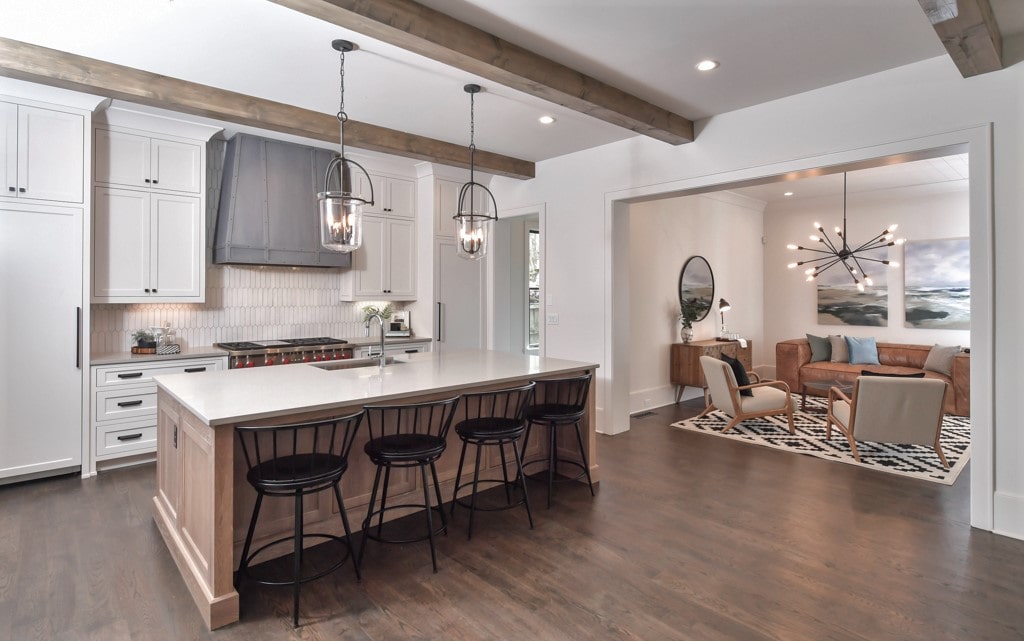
684	362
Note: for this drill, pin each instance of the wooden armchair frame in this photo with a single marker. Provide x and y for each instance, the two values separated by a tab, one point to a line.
737	400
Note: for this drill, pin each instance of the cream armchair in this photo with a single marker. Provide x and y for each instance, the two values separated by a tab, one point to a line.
889	410
769	397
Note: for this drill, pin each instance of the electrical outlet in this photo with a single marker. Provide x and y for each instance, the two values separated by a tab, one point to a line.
553	318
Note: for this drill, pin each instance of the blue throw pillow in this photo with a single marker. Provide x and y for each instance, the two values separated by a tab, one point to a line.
863	351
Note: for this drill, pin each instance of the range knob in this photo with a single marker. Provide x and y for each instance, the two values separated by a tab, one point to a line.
269	361
306	358
250	363
285	360
335	356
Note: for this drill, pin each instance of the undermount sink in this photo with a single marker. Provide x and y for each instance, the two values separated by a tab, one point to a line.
356	362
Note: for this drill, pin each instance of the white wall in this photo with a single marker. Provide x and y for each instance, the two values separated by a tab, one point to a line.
725	229
923	213
508	255
927	104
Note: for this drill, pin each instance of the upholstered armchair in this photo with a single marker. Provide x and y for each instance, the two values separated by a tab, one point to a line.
768	398
889	410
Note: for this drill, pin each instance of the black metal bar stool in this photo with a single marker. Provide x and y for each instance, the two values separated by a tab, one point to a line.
412	435
493	418
562	402
293	461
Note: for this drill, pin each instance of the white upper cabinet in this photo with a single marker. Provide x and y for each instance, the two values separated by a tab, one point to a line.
149	231
392	196
41	153
383	268
134	160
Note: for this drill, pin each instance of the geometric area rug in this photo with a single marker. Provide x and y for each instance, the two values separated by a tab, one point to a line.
917	461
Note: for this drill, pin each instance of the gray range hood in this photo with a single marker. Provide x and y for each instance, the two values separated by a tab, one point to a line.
268	211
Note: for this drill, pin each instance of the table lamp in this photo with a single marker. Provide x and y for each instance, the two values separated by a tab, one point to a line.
723	307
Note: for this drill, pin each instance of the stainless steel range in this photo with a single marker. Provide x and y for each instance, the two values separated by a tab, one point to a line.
285	351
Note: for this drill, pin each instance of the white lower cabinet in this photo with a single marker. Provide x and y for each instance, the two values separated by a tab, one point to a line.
124	406
393	350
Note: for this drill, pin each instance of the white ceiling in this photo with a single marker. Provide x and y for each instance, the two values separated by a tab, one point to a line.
937	173
768	49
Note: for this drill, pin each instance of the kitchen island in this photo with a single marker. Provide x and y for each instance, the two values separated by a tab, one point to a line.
203	501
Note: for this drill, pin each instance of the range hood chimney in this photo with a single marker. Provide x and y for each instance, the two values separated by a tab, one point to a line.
268	210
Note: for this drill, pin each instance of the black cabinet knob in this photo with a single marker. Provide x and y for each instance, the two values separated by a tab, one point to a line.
147	290
21	189
155	181
12	189
147	179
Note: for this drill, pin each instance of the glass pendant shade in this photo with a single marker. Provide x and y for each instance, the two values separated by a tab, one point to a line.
471	232
341	212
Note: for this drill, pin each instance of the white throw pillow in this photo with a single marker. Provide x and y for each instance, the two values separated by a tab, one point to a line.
940	359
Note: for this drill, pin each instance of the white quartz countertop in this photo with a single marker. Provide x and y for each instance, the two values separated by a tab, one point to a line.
116	358
234	396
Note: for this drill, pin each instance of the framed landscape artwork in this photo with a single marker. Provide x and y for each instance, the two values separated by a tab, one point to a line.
839	302
937	283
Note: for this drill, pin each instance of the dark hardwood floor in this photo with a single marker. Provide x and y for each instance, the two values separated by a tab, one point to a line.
690	537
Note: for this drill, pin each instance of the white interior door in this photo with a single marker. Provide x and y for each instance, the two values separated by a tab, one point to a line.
41	383
459	310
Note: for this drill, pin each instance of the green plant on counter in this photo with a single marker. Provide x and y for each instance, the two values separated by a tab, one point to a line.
141	336
370	310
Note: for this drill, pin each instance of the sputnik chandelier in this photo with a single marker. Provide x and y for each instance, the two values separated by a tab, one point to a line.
840	253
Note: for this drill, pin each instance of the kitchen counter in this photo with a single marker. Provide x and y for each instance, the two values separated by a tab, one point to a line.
203	501
117	358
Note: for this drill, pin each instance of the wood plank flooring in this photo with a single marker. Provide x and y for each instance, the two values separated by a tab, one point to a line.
690	537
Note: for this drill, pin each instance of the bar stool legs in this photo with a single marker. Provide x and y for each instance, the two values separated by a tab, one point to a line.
519	482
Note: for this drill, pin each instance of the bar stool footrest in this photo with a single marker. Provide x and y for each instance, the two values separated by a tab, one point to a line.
559	478
244	570
466	500
442	529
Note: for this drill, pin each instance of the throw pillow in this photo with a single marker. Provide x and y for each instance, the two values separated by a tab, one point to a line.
863	351
867	372
940	359
840	352
740	373
821	349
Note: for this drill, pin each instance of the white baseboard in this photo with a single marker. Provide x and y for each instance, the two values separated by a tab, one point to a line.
1008	515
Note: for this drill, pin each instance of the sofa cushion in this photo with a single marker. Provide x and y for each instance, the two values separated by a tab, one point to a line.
821	348
840	352
863	351
739	372
940	359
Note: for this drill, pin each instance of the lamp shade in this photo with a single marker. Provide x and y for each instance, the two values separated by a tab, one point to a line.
723	305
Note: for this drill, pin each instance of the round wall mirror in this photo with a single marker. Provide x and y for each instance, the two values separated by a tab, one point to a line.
696	287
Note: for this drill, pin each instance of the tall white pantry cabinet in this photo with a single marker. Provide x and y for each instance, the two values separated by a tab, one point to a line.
45	150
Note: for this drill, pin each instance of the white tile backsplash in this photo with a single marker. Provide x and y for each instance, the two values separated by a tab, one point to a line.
242	304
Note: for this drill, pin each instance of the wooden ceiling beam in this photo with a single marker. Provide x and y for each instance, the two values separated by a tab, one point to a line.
971	37
24	61
440	37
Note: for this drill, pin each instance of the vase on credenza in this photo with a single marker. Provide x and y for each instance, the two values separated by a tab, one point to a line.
685	333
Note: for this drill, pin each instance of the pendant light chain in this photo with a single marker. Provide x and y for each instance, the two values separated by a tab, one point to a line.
472	134
342	116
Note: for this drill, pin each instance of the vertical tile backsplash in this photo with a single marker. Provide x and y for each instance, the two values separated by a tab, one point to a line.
242	303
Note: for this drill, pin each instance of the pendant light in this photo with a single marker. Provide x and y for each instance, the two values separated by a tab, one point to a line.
836	253
341	210
472	222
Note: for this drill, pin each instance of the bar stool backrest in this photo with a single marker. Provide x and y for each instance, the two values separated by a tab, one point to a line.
510	403
432	418
563	395
285	454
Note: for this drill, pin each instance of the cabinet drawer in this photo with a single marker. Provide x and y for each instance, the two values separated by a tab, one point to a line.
113	375
130	403
134	437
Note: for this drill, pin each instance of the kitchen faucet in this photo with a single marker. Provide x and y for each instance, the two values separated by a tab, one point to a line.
380	319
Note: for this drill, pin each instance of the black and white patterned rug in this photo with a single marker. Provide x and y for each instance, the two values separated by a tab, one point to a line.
916	461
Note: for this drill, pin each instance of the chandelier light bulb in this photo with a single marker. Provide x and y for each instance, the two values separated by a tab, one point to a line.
791	247
891	228
791	265
900	241
860	286
892	263
815	238
839	231
810	279
868	281
810	270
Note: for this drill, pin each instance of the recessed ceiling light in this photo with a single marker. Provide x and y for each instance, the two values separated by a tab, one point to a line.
788	193
546	120
707	65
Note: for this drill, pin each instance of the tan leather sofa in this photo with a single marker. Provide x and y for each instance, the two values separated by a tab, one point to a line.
793	365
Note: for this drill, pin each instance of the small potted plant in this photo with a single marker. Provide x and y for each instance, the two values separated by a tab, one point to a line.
370	310
687	316
145	342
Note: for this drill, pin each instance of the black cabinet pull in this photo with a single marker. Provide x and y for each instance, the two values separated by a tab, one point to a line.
155	181
147	290
147	179
132	375
129	403
21	189
154	290
193	370
130	437
412	351
78	338
175	436
11	189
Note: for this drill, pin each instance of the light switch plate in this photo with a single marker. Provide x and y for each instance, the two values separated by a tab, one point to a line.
552	319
